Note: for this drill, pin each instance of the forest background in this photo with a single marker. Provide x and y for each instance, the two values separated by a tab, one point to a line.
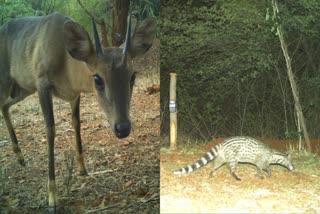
110	15
232	76
231	72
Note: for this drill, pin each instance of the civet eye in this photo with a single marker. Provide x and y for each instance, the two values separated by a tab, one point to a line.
98	81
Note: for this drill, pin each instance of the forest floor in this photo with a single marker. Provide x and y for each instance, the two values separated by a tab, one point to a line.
296	191
123	173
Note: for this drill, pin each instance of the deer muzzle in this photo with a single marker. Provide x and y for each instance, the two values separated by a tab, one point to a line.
122	129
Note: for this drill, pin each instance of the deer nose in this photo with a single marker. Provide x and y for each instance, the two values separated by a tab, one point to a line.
122	129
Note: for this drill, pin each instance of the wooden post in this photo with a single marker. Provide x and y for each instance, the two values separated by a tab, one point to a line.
173	112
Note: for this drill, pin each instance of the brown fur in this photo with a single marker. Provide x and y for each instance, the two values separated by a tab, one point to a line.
54	55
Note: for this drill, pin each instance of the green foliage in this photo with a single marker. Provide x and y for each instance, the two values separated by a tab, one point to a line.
301	17
231	76
14	8
304	160
142	9
293	134
101	9
145	8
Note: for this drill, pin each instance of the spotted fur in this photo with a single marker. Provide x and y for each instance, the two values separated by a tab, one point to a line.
240	150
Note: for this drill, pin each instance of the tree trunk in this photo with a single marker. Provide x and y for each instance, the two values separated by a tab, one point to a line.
292	81
119	19
104	34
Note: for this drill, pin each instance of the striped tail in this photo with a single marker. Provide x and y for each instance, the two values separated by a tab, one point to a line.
209	156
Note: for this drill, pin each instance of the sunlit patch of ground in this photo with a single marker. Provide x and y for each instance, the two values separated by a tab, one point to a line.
285	191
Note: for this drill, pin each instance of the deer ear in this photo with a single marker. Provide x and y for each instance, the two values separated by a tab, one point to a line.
142	37
77	41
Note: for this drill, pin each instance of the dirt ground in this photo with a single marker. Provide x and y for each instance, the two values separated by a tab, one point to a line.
123	173
285	191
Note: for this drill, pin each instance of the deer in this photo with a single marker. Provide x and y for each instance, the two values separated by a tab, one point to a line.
53	55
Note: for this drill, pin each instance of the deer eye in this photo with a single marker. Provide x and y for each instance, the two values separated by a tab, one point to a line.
132	80
98	81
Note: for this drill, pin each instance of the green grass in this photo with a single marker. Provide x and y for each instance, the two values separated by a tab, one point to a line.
304	160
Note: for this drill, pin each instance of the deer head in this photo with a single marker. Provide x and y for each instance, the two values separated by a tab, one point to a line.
112	73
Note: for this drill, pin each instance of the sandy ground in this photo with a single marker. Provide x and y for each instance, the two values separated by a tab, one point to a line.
285	191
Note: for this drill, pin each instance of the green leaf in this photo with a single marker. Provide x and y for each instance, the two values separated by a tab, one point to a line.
267	14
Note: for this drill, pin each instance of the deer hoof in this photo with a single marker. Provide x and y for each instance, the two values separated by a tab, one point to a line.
22	163
56	210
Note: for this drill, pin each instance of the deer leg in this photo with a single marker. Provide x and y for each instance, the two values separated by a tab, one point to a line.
6	115
75	107
45	98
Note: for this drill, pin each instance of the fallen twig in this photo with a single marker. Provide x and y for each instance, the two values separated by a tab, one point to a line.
103	208
150	199
101	172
